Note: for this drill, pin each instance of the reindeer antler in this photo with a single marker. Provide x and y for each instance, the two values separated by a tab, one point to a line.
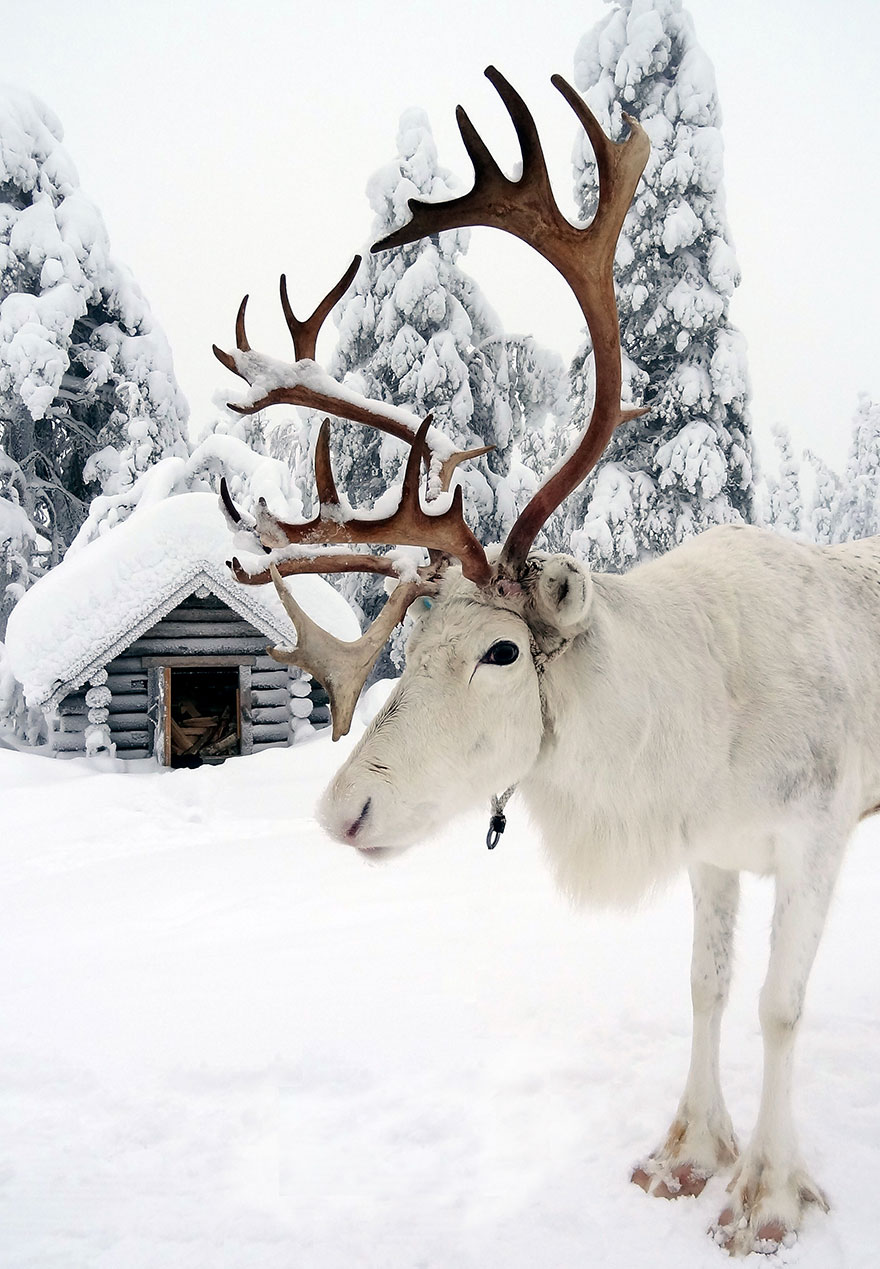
342	667
409	525
583	255
313	390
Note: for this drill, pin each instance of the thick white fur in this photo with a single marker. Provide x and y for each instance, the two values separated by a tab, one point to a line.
717	709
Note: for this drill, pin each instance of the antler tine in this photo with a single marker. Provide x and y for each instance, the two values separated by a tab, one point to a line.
232	512
343	668
495	200
305	334
409	525
241	339
325	562
372	414
328	495
445	533
447	468
615	162
241	342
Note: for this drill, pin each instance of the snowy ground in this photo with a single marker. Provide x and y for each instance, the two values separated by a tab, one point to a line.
226	1042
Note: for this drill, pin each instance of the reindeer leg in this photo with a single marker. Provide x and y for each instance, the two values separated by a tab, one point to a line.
701	1140
770	1187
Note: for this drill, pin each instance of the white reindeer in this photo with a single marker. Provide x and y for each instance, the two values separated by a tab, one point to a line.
717	709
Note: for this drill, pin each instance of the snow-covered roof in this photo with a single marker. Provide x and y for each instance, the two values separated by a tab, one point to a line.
99	600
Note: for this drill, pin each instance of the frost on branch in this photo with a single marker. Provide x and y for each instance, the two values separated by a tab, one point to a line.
688	464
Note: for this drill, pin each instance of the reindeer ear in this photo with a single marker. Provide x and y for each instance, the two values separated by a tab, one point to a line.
561	591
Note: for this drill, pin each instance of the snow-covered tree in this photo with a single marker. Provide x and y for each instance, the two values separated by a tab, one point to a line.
416	331
687	464
785	511
857	510
88	397
19	563
823	508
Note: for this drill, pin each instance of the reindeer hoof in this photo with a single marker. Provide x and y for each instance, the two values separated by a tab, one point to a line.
684	1180
765	1210
737	1237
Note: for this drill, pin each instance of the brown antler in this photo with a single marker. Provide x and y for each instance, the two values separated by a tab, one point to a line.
445	534
584	256
313	390
342	667
409	525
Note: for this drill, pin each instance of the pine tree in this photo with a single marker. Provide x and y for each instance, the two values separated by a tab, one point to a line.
785	510
19	560
857	514
88	398
823	515
687	464
417	332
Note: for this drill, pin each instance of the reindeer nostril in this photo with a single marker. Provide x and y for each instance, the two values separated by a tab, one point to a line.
353	829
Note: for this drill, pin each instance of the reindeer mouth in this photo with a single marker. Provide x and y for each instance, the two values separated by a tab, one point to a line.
354	828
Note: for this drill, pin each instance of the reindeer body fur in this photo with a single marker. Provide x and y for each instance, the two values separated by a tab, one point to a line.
717	709
719	696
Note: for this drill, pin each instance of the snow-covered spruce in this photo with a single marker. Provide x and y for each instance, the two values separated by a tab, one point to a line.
86	378
687	464
785	509
856	513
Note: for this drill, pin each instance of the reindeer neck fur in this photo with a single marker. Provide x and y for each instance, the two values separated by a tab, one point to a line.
706	708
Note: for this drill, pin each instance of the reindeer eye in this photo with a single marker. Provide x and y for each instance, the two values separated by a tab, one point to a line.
504	652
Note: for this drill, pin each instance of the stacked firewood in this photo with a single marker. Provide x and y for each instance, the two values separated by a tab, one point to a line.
202	735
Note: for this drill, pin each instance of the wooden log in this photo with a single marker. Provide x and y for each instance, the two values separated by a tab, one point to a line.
131	739
255	645
73	704
73	724
270	731
275	714
125	722
265	698
124	683
269	681
320	716
271	744
68	742
198	630
127	663
191	661
128	703
196	615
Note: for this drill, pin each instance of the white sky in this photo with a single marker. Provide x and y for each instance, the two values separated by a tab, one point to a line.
227	142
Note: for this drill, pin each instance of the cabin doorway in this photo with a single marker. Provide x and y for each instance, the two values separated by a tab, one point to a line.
202	715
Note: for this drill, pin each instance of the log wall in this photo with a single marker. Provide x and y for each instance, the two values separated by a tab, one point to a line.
280	698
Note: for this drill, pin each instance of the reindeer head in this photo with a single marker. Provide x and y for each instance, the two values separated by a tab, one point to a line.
486	625
467	717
